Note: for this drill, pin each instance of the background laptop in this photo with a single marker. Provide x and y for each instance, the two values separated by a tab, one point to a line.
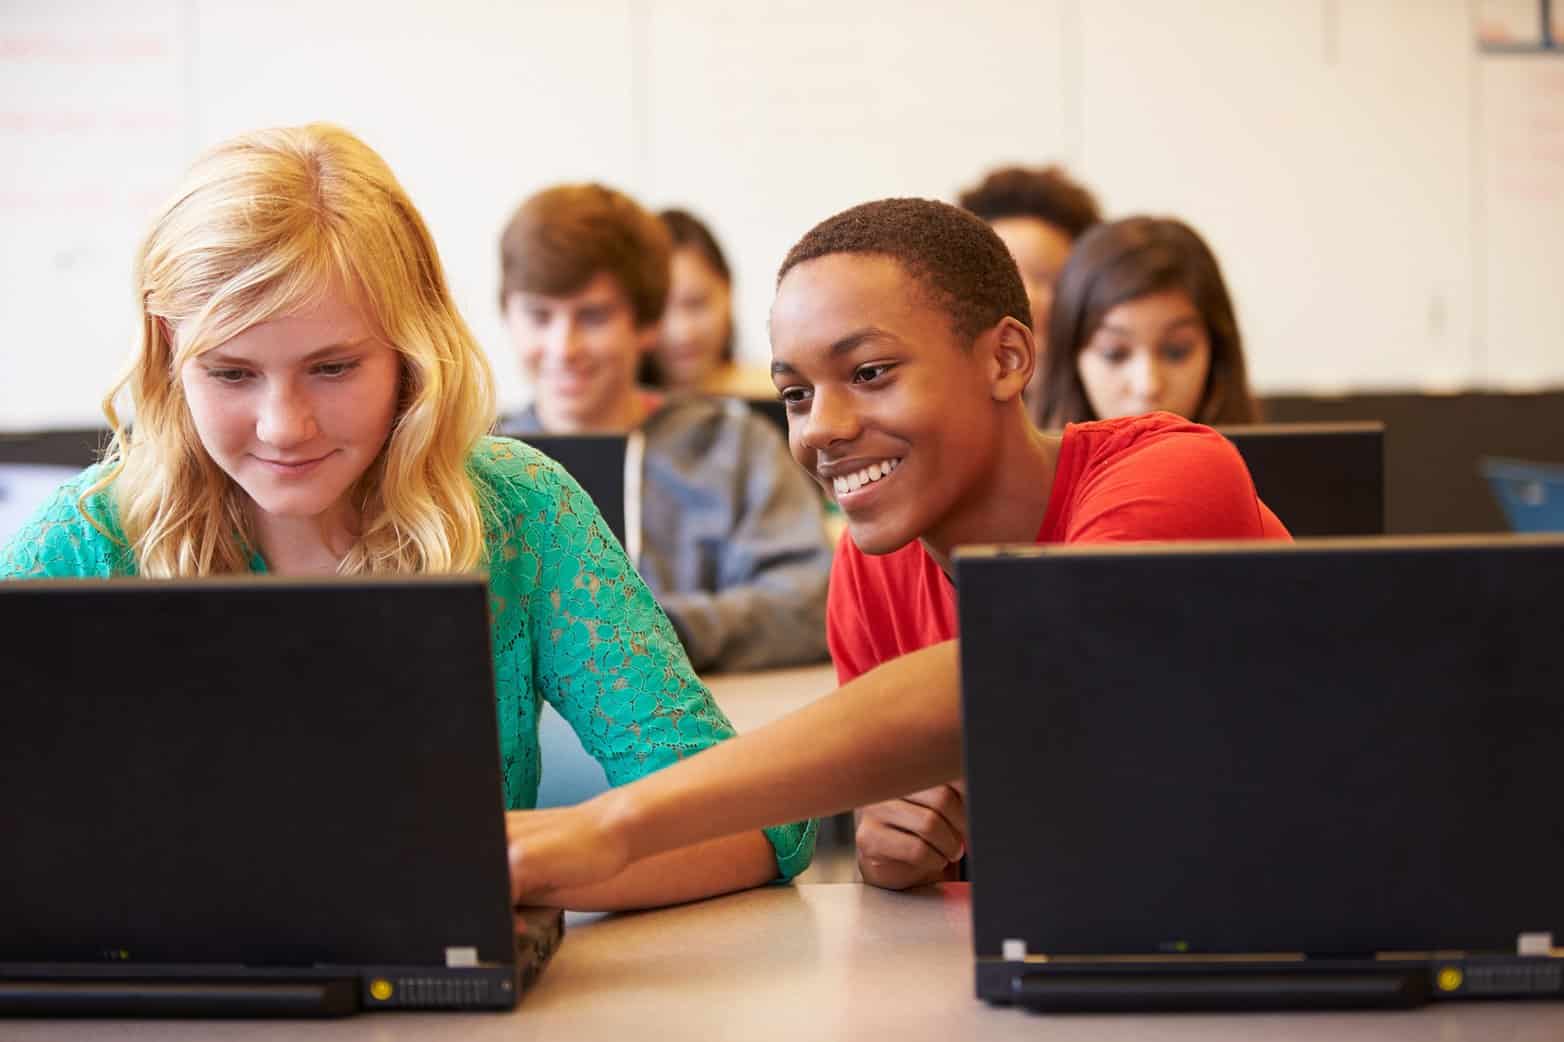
251	797
1224	775
597	462
1530	494
1321	479
35	463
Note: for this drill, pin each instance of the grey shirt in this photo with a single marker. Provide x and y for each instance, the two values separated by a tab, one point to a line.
732	534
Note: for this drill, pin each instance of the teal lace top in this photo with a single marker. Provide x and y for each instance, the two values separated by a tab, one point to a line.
572	623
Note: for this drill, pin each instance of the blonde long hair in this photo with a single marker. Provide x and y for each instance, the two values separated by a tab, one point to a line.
262	226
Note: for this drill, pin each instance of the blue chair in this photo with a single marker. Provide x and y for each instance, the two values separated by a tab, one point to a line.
1532	494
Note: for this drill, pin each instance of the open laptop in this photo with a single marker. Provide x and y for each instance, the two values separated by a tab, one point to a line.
1321	479
597	462
1262	775
1530	494
252	797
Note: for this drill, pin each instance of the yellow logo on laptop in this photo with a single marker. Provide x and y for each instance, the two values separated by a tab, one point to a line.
380	989
1449	979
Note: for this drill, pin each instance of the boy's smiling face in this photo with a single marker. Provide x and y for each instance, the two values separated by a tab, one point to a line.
888	408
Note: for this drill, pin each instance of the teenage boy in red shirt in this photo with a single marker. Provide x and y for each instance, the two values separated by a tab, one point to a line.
900	344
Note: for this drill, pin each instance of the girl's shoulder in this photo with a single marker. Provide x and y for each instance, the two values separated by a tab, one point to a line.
75	533
514	473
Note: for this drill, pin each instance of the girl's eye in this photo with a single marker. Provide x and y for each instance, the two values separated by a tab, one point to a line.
865	374
1177	353
1114	355
228	376
334	369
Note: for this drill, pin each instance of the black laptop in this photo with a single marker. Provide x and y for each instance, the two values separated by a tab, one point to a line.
252	797
597	462
1321	479
1264	775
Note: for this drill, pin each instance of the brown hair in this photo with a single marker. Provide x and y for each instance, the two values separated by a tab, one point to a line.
563	237
690	232
1046	193
1125	260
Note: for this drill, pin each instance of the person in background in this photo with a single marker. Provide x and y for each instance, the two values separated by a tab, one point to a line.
732	534
308	401
901	346
1141	322
694	350
1039	213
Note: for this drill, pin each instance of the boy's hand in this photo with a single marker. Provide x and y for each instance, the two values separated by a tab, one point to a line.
913	840
565	848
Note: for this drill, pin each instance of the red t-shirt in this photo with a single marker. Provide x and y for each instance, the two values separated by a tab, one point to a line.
1139	479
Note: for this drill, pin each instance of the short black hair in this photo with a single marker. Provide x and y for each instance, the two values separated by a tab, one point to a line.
1046	193
958	259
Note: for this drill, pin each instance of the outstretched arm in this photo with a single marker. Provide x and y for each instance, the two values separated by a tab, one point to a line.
894	730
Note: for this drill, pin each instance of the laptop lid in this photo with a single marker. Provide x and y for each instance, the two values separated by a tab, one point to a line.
597	462
1335	748
73	447
1321	479
254	779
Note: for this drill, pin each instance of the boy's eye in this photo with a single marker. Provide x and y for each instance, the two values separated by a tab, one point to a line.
869	373
794	397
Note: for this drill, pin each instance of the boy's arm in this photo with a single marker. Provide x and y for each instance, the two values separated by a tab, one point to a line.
894	730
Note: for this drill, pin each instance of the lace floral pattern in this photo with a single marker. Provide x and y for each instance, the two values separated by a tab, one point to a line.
572	623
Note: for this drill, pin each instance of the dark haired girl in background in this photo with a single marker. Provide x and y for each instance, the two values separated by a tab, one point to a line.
1142	322
694	349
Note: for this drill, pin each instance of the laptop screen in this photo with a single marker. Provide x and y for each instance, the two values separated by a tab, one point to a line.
1340	747
260	772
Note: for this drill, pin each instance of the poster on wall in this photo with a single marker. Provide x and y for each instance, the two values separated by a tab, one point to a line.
1512	25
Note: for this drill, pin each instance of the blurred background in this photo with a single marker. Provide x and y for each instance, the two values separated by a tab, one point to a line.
1382	180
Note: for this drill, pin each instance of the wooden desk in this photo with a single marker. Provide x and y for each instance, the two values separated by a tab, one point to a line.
796	964
752	700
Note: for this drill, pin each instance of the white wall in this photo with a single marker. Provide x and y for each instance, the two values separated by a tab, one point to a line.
1388	205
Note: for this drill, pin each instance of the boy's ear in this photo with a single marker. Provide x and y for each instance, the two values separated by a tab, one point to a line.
1013	357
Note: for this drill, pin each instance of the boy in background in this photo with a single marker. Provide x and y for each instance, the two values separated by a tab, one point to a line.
731	536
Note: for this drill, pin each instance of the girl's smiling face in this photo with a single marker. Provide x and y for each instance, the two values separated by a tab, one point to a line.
887	407
296	409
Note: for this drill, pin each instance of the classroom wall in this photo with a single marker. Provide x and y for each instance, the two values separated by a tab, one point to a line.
1387	203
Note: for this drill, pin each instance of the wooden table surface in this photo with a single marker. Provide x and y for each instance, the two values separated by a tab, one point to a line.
803	963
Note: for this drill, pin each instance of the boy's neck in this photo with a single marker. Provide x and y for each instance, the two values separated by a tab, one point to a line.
626	414
1011	507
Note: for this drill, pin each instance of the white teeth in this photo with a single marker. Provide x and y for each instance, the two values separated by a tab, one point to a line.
858	479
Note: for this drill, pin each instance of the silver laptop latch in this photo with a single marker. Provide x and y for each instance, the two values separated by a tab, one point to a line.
1539	943
461	958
